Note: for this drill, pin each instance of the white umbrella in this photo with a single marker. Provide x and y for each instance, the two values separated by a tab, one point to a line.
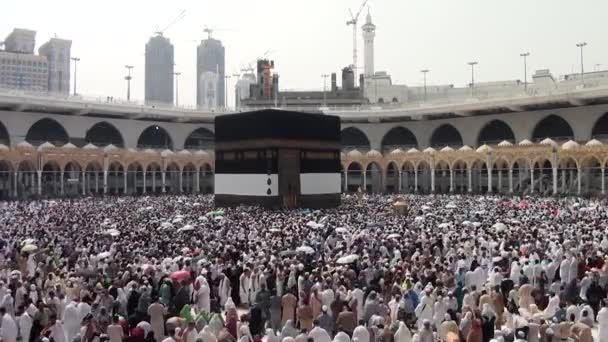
451	205
466	223
113	232
29	241
203	218
305	249
103	255
425	207
29	248
186	228
341	230
185	250
347	259
499	226
177	220
419	219
443	225
218	218
394	236
275	230
476	224
314	225
149	208
166	225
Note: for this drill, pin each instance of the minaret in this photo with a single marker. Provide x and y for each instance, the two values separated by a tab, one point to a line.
369	33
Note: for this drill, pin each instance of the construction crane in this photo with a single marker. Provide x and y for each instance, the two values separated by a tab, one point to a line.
209	31
177	19
354	21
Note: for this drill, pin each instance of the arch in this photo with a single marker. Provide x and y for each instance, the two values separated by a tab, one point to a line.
446	135
153	178
200	139
189	178
6	184
26	179
206	179
135	178
395	100
543	177
424	177
381	100
479	176
173	178
500	175
600	128
554	127
399	137
568	176
521	175
4	137
354	138
116	178
52	182
494	132
72	179
45	130
354	177
373	178
591	175
461	176
155	137
93	178
408	176
103	134
392	177
442	177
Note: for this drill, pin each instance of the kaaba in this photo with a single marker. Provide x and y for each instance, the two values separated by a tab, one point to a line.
277	159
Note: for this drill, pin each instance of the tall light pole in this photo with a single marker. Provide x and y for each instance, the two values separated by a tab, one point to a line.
424	72
472	64
581	46
325	76
76	60
525	56
176	74
129	78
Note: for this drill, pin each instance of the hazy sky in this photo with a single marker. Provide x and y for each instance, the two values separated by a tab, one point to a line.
310	38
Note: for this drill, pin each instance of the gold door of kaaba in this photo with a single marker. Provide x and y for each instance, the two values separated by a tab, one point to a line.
289	177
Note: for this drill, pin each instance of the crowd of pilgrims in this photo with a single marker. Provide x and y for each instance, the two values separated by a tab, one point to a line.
174	268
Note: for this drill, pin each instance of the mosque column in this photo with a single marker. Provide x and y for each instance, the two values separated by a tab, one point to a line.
432	180
124	181
578	181
532	180
603	181
470	179
451	180
563	181
16	175
163	177
144	178
399	185
84	183
415	180
181	173
489	179
510	180
500	181
365	180
96	182
197	182
61	183
105	181
555	180
39	190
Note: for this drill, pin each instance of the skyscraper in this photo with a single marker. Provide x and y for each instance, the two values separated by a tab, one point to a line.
210	58
57	52
159	70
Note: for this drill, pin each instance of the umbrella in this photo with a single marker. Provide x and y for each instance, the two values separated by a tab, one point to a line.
425	207
419	219
305	250
113	232
180	275
275	230
341	230
177	220
288	253
451	205
476	224
394	236
203	218
186	250
466	223
103	255
147	267
349	259
314	225
29	241
166	225
29	248
499	226
444	225
186	228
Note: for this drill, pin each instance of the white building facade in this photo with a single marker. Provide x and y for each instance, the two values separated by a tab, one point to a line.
57	52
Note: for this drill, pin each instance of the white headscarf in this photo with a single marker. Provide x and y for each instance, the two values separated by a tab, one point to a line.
403	334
